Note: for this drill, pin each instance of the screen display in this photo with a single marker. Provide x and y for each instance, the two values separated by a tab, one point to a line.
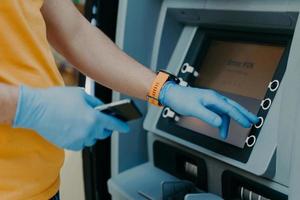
240	71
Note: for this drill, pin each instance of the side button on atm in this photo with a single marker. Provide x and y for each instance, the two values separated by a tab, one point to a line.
187	68
251	140
182	82
168	113
266	103
260	123
274	85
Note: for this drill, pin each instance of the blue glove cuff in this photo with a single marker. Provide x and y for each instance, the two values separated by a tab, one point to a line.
164	91
18	110
22	104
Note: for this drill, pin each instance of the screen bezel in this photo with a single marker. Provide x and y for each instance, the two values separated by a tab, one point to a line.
195	57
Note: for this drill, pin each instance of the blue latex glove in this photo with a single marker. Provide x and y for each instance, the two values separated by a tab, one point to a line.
64	116
206	105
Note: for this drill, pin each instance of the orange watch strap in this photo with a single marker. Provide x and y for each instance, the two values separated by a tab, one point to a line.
157	85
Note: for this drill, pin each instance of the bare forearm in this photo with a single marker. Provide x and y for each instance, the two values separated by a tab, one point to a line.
103	61
92	52
8	103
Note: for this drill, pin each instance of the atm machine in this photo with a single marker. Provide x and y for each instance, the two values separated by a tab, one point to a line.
246	50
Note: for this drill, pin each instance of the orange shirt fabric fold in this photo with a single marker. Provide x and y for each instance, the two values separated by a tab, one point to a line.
29	165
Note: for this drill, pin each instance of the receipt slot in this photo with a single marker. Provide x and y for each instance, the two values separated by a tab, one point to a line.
244	50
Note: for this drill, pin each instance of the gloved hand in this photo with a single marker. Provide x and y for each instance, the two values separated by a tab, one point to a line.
64	116
206	105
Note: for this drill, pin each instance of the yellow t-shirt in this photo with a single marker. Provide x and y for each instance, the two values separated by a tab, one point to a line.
29	165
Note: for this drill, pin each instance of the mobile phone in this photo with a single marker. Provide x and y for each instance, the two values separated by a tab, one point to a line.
125	110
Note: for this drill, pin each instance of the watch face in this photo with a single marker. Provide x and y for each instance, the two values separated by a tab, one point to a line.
171	76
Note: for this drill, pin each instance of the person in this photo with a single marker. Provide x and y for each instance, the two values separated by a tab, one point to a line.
40	117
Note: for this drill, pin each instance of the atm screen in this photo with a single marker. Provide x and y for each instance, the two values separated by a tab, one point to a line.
241	71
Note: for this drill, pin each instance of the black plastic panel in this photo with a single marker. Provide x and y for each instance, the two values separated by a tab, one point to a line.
232	184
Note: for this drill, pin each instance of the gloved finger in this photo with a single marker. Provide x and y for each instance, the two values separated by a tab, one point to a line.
90	142
253	118
207	116
112	123
223	130
75	146
103	133
106	133
223	107
92	101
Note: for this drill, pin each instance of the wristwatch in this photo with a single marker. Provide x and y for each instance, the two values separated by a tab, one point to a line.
161	78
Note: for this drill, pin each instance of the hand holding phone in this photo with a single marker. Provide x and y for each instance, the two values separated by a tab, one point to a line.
125	110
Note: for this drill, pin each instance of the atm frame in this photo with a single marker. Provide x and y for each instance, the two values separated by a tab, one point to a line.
196	53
